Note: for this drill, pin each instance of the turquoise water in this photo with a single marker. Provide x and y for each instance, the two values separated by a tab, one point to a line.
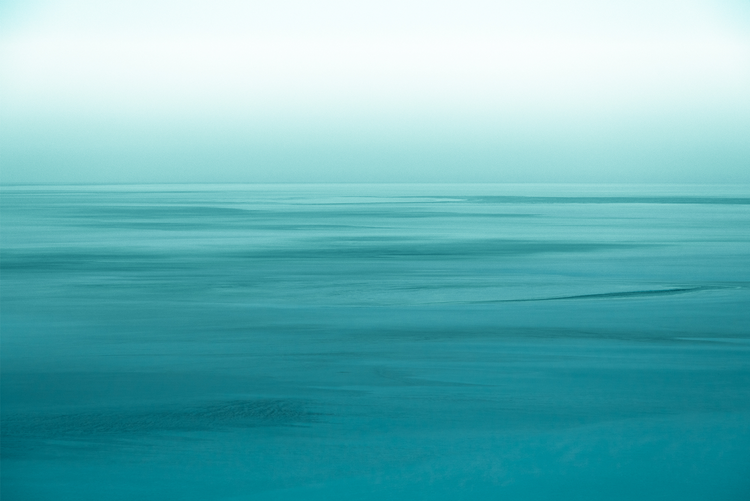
244	342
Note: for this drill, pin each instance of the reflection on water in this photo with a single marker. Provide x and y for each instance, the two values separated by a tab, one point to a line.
375	341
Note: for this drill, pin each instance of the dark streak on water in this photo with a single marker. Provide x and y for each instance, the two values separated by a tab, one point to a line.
118	422
673	200
613	295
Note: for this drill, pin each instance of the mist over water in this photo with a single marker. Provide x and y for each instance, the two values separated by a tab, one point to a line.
375	341
407	91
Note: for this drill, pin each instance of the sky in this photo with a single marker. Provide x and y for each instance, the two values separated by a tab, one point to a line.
578	91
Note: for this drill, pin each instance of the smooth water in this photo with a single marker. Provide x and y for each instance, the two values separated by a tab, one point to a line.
375	342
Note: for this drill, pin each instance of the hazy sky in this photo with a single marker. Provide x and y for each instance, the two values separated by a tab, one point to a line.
384	91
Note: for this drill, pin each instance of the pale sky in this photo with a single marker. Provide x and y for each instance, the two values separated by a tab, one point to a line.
386	91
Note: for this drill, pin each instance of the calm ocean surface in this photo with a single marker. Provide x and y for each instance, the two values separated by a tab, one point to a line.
504	342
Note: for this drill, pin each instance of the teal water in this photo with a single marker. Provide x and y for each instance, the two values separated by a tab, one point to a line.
246	342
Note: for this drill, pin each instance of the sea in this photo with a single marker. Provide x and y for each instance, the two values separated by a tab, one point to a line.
375	342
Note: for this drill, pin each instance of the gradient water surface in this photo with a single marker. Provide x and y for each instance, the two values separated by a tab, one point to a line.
248	342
